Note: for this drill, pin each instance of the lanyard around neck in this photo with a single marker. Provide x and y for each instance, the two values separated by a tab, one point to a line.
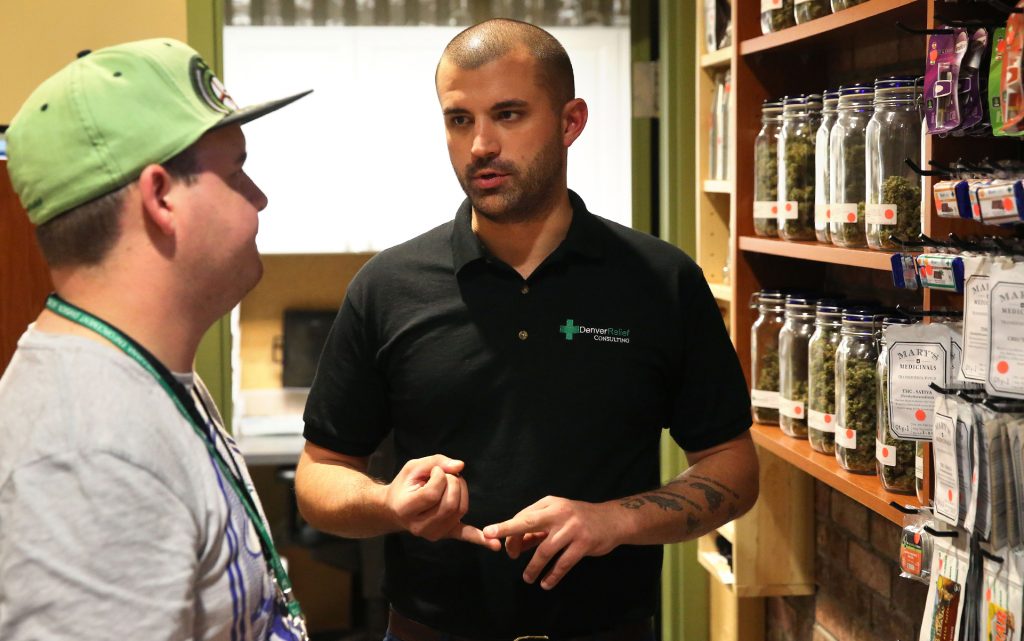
186	406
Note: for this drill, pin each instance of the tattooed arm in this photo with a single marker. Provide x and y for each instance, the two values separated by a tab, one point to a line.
720	485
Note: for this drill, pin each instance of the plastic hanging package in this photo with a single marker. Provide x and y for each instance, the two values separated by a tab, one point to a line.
996	620
948	443
952	199
916	548
994	431
941	80
974	363
1011	89
1005	375
972	106
996	203
946	592
979	509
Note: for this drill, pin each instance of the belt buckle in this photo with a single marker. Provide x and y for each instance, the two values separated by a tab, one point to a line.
533	637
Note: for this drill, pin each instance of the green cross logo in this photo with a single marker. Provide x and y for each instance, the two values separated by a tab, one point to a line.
569	329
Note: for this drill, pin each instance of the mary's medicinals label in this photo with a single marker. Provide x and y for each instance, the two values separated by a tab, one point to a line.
884	214
821	421
974	365
792	409
1006	318
764	398
766	209
918	357
947	489
789	210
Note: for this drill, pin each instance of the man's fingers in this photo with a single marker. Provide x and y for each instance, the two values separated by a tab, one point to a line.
568	559
545	552
473	535
417	471
514	546
533	539
529	520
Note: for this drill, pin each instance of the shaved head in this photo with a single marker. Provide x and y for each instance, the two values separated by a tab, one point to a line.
490	40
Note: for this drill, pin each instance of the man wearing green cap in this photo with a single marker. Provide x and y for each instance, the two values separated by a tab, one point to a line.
126	510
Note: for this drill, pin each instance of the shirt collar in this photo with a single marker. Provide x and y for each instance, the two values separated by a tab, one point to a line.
583	237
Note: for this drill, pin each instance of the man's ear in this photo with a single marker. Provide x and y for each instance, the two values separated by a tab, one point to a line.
574	119
155	183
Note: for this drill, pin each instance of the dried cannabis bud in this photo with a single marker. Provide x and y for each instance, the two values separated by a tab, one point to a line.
799	159
822	397
860	413
766	175
906	195
900	477
768	381
795	426
778	19
811	10
852	234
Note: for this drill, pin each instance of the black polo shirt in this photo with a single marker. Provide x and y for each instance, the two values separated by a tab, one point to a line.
556	385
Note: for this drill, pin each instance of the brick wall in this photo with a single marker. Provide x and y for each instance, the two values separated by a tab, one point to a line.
860	595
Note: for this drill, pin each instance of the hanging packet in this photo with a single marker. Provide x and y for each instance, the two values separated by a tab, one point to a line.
952	199
946	592
974	361
996	203
994	430
916	548
972	107
995	79
996	620
941	80
919	357
948	496
941	271
1005	375
1011	90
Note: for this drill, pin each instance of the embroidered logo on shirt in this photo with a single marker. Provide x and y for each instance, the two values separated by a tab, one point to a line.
601	334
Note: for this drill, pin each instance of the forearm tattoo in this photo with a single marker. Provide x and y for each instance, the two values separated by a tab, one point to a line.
714	493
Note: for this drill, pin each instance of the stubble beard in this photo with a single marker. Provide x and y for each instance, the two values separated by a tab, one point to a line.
525	196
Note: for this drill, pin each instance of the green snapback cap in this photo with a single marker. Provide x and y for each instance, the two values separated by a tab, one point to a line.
92	127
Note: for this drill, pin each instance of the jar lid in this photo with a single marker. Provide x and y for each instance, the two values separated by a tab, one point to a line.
896	82
802	298
814	100
859	89
771	105
859	316
794	100
897	320
832	94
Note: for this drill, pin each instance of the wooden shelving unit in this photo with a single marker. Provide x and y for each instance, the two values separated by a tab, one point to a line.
816	252
720	59
717	187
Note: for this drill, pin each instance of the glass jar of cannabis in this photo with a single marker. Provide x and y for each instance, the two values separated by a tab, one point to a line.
764	354
893	189
839	5
793	338
800	116
856	393
807	10
776	15
894	457
766	170
821	186
846	165
821	376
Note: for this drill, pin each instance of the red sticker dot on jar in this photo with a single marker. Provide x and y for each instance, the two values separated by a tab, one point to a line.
1003	367
885	452
775	209
920	415
950	495
849	434
1008	204
889	214
828	213
798	410
789	206
852	217
828	419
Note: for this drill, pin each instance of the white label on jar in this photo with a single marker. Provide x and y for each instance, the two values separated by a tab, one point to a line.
913	366
846	437
996	204
885	454
880	214
947	490
822	213
789	210
770	5
821	421
764	398
766	209
844	213
919	466
792	409
974	365
1006	351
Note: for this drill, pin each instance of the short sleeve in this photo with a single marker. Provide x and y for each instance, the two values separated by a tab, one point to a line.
347	409
94	547
711	404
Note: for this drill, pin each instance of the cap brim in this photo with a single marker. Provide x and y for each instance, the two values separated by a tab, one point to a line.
252	112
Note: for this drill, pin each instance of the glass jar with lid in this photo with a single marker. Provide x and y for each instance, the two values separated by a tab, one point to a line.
766	170
894	457
793	338
764	354
821	186
847	172
776	15
821	376
893	189
800	116
856	393
807	10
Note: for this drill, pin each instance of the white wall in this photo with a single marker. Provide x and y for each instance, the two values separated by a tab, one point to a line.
361	164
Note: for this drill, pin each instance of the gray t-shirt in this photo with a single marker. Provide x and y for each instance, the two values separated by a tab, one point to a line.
114	522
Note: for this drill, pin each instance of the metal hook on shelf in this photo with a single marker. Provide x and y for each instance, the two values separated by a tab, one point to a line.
991	557
946	535
905	243
925	32
967	24
905	509
926	172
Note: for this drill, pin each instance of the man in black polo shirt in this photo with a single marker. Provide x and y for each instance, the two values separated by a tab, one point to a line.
527	356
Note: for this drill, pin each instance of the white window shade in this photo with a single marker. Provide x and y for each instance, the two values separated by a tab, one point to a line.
361	164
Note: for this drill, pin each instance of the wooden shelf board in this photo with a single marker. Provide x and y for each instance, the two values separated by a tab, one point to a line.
721	291
818	252
836	27
717	566
866	490
728	532
717	187
716	59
